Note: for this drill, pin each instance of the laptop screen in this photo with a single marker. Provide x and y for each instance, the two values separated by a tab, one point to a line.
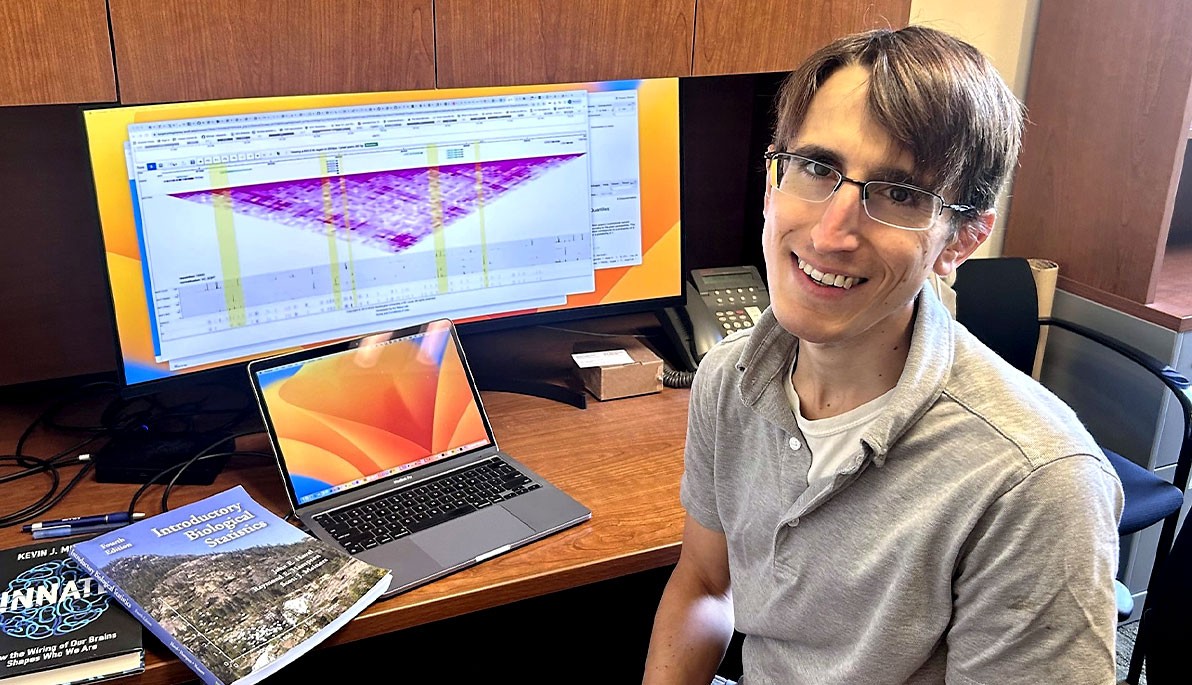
370	409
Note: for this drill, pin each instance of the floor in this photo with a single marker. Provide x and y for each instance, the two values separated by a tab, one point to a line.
1125	645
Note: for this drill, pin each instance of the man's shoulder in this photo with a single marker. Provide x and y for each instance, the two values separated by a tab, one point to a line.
1015	406
726	354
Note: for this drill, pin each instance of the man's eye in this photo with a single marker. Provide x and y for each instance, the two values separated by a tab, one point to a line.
899	195
815	169
820	169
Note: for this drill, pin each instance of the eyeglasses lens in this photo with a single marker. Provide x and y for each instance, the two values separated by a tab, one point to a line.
900	205
803	178
889	203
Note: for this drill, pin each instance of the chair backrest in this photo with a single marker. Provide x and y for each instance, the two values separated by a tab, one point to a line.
997	302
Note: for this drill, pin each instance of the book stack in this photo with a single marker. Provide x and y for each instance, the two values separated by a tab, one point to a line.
235	591
57	624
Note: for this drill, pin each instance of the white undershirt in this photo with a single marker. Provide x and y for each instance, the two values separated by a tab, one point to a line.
832	441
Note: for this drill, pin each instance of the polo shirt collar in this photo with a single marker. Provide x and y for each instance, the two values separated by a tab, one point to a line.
767	354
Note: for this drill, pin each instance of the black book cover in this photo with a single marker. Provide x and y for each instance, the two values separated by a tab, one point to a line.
57	624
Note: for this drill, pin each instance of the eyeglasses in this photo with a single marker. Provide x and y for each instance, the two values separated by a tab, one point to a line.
893	204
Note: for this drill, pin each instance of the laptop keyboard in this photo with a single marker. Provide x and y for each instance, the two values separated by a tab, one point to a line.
400	513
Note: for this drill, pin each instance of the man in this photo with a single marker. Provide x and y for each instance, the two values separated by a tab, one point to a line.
873	496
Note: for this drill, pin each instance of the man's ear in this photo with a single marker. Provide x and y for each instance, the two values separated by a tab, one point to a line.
968	238
766	181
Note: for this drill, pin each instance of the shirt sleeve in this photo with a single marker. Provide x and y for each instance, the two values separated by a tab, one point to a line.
1033	591
697	489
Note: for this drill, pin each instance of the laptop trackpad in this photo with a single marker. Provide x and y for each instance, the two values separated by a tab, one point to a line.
475	534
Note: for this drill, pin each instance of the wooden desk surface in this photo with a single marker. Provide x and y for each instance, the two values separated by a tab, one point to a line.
622	459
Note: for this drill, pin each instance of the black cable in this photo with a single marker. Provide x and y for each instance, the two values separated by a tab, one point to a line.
87	466
165	495
47	413
675	378
52	496
182	466
22	515
117	416
32	466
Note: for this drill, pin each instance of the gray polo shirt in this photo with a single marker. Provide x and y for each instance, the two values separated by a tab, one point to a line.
972	537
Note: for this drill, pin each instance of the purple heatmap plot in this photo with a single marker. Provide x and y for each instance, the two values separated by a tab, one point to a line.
392	210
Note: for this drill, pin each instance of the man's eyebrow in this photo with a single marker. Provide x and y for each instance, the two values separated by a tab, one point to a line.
894	174
818	153
890	174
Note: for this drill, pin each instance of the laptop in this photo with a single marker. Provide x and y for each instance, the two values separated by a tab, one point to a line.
386	451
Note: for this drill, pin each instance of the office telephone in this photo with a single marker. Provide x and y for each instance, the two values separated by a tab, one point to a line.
719	301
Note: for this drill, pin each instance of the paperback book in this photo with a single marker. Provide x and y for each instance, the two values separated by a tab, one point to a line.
57	624
235	591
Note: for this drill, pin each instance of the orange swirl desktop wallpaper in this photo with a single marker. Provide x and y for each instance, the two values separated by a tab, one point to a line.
658	275
342	420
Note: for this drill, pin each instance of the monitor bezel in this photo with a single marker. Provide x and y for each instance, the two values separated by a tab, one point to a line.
235	373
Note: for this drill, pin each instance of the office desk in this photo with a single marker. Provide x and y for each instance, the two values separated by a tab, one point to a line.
621	458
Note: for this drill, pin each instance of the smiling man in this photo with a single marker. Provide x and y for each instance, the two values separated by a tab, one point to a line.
872	495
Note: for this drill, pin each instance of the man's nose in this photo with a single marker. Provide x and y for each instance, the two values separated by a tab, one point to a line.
837	227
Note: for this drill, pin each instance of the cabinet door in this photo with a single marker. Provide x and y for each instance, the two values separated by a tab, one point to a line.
1108	107
776	35
170	50
507	42
55	52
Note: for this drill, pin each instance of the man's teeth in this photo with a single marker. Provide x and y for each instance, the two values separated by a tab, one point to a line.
836	280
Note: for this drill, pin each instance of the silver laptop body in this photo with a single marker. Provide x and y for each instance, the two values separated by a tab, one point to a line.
356	423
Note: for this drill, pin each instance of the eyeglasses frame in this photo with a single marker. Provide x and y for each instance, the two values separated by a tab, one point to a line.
773	155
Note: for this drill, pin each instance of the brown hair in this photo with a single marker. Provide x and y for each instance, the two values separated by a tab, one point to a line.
936	95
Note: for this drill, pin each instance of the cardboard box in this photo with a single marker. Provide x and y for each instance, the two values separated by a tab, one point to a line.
640	374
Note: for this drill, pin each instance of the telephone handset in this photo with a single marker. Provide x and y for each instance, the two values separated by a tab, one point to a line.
719	301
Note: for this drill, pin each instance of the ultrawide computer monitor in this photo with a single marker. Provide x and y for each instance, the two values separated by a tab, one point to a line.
239	228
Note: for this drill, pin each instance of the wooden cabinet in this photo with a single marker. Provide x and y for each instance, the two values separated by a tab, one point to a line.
58	51
1099	192
168	50
1096	190
776	35
55	51
55	319
488	42
505	42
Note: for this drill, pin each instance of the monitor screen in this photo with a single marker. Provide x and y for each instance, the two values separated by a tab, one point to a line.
239	228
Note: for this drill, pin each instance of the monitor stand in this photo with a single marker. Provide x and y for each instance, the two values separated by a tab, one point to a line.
501	382
536	360
154	432
533	361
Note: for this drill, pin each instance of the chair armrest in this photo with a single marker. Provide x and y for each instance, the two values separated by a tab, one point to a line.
1175	381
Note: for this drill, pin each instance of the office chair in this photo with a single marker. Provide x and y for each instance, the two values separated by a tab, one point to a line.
997	302
1166	623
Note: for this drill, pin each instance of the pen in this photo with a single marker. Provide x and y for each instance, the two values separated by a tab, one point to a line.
95	519
63	531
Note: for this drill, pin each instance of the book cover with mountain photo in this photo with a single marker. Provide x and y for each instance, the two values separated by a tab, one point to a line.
230	587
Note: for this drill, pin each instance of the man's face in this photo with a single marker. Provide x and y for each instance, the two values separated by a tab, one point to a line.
884	266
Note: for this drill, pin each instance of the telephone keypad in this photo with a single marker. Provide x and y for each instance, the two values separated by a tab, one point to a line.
734	319
742	295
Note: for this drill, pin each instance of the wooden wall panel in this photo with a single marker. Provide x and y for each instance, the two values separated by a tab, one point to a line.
54	311
506	42
1107	100
169	50
55	51
776	35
